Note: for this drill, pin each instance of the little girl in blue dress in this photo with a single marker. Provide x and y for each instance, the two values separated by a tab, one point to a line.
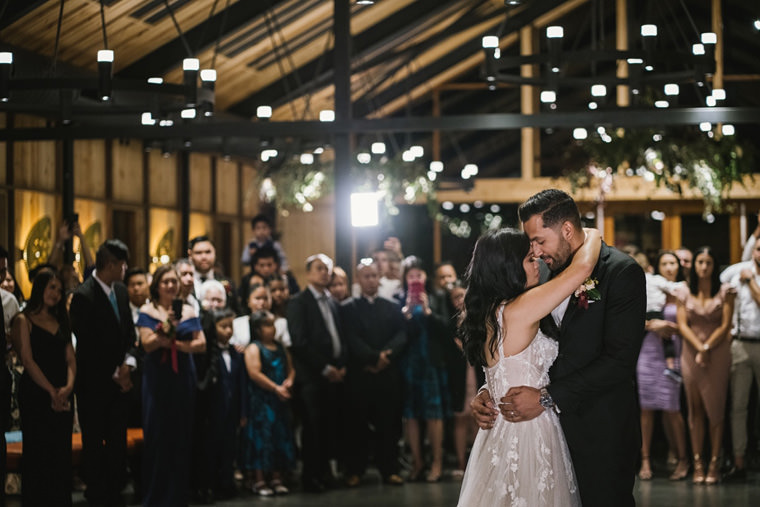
268	446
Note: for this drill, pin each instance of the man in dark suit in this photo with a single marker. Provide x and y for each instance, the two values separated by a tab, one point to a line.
592	380
102	322
319	356
376	334
202	254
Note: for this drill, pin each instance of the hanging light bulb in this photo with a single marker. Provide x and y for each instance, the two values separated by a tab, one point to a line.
105	74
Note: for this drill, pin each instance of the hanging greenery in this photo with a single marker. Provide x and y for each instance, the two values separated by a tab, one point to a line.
297	185
677	158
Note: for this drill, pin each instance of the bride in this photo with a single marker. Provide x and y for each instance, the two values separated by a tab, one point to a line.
523	463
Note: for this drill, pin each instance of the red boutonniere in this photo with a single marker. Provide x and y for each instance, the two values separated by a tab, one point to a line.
168	329
587	293
227	286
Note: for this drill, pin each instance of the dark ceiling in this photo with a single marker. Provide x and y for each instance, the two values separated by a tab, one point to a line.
404	54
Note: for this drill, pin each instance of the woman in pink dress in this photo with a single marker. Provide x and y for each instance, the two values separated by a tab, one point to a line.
704	321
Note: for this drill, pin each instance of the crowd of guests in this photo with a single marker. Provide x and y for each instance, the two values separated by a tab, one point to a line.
700	352
233	385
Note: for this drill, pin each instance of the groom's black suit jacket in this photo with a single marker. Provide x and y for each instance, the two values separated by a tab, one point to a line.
593	381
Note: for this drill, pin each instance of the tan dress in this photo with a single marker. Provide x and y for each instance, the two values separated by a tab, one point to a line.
708	383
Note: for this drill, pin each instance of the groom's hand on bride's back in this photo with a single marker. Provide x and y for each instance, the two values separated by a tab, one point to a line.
484	410
521	403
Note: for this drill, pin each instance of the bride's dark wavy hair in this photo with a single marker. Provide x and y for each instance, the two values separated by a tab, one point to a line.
495	274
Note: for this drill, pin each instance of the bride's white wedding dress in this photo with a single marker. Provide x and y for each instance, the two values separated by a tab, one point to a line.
524	463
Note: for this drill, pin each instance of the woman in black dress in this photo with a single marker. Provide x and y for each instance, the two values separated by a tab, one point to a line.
42	339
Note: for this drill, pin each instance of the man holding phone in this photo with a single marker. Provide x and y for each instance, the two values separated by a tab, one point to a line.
102	322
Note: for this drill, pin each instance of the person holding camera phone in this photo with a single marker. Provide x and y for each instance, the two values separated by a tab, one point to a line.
426	396
68	230
170	332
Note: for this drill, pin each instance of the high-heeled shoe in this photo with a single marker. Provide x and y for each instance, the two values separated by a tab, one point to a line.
645	474
681	471
713	472
699	470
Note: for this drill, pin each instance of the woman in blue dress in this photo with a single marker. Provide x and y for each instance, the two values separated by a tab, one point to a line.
426	396
168	390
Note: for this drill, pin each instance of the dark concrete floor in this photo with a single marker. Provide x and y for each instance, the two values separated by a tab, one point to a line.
371	493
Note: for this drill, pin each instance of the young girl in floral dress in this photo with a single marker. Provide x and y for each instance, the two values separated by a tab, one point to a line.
268	449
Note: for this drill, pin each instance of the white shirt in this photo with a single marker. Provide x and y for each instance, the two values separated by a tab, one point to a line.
746	318
658	289
10	309
388	287
241	331
226	355
559	313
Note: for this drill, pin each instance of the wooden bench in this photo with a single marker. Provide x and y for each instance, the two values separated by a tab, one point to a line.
15	449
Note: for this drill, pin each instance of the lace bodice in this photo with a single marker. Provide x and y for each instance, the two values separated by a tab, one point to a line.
523	464
530	367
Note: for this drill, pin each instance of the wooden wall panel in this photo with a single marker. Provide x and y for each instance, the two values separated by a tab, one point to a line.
201	224
163	179
228	191
200	182
90	168
165	242
96	226
34	161
250	192
127	178
304	234
31	207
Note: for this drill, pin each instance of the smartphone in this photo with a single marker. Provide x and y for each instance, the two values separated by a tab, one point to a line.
177	308
416	289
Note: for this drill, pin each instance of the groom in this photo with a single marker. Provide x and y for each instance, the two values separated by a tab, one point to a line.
592	380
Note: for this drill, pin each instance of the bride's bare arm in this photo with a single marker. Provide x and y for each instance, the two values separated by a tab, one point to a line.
534	304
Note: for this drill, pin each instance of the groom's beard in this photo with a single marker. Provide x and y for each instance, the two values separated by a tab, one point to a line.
561	259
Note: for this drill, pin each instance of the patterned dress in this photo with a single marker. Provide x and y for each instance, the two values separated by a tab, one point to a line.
426	394
525	464
268	436
656	391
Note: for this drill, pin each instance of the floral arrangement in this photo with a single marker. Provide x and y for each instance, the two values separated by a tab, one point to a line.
587	293
677	158
168	329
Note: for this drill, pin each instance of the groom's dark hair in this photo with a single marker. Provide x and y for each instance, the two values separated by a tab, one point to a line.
554	206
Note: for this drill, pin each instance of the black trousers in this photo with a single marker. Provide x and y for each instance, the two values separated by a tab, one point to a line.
375	399
321	405
104	446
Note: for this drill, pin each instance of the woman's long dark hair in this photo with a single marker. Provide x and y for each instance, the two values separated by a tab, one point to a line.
36	301
714	278
663	253
495	275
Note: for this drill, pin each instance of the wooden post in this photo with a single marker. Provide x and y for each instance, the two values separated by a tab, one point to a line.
671	232
735	238
436	156
621	33
530	136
